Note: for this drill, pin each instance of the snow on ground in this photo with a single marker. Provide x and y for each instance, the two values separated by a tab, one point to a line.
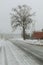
2	42
34	41
39	42
13	55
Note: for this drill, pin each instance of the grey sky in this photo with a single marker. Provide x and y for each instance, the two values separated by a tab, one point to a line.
7	5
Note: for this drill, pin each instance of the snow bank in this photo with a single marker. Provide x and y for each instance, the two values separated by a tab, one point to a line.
2	42
29	41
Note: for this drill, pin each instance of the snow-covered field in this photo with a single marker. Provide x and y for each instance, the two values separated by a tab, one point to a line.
13	55
29	41
33	46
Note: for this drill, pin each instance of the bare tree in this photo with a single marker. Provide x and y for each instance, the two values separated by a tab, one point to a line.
21	16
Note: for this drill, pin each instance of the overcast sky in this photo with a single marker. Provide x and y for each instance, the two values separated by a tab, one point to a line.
7	5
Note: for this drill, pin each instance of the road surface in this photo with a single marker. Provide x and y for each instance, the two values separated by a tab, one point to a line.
14	53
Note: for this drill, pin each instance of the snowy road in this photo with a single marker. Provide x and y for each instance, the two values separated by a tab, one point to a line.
14	54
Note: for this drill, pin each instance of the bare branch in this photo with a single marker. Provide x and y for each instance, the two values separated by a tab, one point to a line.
21	16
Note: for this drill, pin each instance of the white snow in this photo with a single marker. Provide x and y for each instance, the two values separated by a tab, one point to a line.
29	41
13	55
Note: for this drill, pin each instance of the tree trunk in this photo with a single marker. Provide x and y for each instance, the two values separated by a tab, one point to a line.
23	33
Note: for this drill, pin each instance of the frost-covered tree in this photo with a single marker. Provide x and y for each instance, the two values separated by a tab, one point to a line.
21	16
